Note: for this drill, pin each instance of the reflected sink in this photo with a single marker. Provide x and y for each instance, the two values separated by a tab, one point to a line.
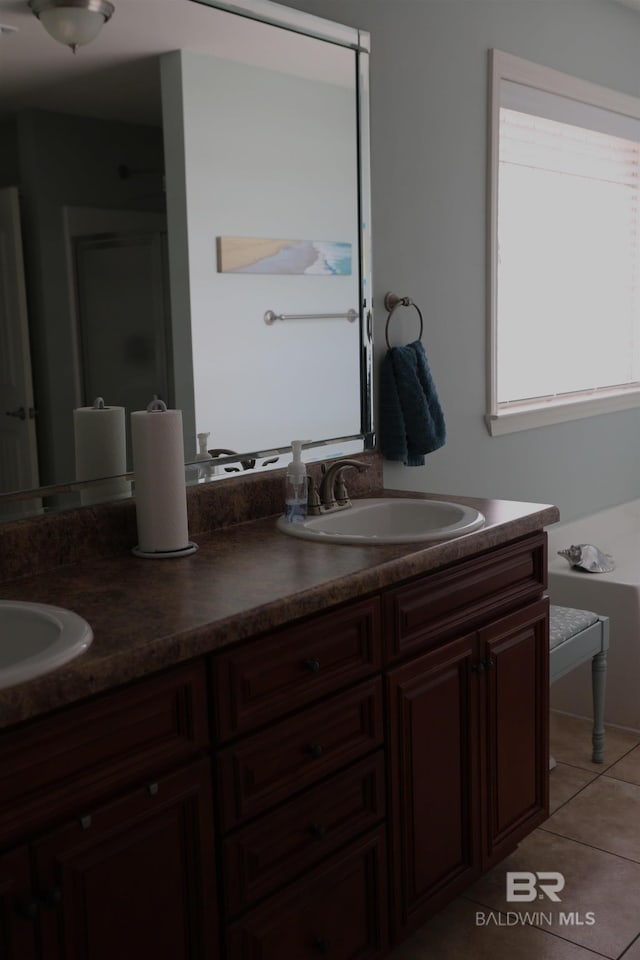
388	520
36	638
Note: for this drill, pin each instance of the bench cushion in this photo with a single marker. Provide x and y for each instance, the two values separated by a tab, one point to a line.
566	622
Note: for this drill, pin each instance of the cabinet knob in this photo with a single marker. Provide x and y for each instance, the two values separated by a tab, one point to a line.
488	664
315	750
51	899
313	666
322	945
478	667
318	830
27	908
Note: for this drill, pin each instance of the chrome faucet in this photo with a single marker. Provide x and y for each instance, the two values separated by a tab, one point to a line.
333	492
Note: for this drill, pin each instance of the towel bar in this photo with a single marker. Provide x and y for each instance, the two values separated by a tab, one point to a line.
391	302
271	317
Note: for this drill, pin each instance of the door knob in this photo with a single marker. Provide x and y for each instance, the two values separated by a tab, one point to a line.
20	413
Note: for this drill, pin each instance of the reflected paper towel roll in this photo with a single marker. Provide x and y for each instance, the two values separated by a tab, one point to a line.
161	495
101	451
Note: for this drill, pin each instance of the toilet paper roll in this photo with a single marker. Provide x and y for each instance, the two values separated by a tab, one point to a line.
160	491
101	451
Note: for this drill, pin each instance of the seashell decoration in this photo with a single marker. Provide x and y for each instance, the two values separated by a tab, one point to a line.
584	556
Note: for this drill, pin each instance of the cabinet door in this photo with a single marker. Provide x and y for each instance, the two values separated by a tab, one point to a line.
134	878
18	907
435	847
514	718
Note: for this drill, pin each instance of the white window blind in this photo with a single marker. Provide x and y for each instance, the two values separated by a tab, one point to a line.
568	259
564	291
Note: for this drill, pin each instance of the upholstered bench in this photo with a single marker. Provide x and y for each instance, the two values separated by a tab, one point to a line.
574	637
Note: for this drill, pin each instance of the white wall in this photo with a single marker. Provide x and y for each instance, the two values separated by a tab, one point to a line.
428	118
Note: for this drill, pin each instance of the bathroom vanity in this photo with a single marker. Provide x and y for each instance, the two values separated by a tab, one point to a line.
275	749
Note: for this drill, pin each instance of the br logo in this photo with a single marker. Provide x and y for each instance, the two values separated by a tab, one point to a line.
524	886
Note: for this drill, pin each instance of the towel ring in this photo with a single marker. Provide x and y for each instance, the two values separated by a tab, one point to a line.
392	302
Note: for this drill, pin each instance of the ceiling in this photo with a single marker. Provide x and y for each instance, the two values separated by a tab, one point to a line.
114	76
117	75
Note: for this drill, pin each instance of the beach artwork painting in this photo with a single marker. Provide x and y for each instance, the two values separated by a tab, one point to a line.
325	258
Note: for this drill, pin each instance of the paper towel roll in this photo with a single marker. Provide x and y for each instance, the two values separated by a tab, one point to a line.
101	451
161	495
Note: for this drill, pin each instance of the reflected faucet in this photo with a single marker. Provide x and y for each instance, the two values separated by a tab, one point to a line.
333	492
223	452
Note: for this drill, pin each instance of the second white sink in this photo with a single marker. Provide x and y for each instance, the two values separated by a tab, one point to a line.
389	520
36	638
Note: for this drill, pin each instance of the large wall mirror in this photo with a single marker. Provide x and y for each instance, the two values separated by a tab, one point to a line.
184	211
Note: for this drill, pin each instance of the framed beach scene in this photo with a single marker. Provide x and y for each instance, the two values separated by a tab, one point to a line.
327	258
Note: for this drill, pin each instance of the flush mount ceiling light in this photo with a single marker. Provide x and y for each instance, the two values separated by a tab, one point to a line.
72	22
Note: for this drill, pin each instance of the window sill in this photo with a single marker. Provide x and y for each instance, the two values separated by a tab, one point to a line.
545	414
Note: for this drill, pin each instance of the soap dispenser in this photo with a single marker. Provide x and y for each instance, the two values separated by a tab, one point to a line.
295	498
203	455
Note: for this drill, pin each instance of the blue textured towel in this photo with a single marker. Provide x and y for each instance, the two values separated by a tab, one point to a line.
411	418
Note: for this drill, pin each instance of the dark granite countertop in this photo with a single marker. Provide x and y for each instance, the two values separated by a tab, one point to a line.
243	580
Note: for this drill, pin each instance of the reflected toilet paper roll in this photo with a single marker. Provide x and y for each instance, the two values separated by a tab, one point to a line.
101	451
160	490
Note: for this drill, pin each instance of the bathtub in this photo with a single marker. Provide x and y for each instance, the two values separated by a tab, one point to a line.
615	530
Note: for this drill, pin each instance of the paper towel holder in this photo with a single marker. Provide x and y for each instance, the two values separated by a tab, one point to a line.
159	406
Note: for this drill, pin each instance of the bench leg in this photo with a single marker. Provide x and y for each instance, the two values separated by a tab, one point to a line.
598	684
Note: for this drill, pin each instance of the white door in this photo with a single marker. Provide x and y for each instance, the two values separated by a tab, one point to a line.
18	450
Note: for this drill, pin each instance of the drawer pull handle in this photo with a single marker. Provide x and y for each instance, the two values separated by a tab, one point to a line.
318	830
322	945
313	666
52	898
315	750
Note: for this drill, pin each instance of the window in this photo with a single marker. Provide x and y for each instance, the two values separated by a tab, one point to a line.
564	295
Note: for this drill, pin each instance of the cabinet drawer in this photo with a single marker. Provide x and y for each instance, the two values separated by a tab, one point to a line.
272	676
441	605
281	845
95	748
339	910
268	767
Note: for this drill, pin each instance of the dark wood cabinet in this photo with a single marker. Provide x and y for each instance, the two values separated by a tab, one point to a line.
468	743
318	790
514	702
134	878
279	847
434	783
112	803
338	910
19	907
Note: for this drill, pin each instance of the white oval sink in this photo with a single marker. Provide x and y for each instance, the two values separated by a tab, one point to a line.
36	638
389	520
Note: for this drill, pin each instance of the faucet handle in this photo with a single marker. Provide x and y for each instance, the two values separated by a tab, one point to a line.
340	490
313	498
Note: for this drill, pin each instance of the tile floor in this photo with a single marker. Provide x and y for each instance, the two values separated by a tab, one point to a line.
592	837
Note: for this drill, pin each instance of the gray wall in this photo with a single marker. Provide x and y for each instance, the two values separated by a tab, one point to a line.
429	121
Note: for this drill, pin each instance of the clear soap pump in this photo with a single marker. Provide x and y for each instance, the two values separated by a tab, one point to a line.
295	498
203	455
